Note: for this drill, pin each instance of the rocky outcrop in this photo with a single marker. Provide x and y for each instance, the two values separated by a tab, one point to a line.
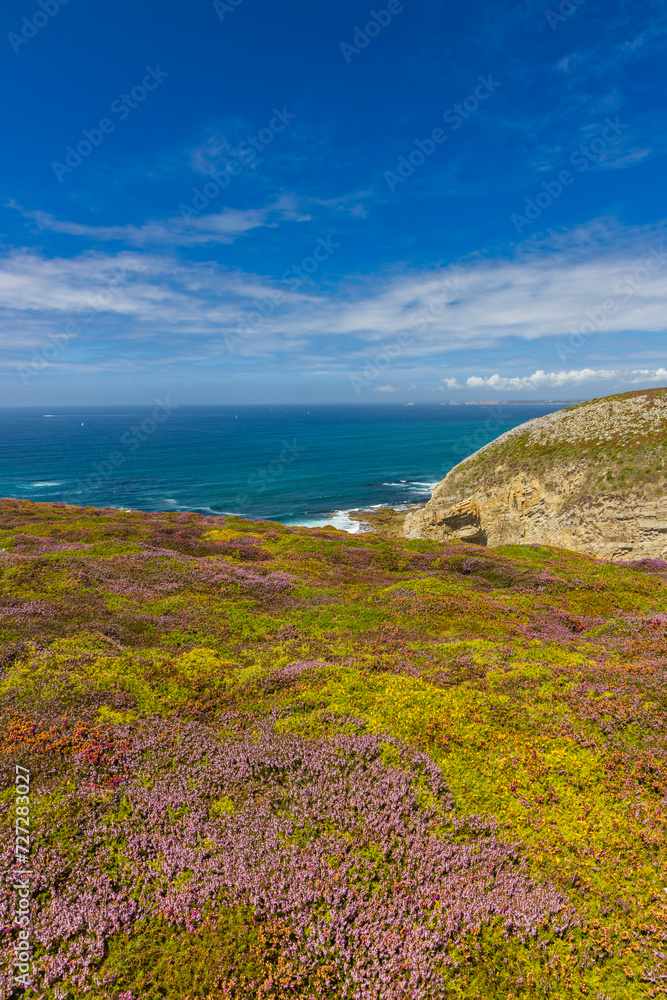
592	478
384	520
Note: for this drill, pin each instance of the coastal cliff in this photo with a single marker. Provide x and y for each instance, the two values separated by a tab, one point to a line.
591	478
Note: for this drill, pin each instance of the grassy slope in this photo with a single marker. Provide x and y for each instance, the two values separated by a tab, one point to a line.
533	678
614	459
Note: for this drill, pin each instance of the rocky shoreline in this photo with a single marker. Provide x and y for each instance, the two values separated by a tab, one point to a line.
383	520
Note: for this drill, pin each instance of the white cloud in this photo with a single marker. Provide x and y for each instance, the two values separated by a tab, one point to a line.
387	388
545	291
649	375
629	158
550	380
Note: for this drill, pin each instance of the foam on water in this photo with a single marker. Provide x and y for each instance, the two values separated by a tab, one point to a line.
337	519
414	485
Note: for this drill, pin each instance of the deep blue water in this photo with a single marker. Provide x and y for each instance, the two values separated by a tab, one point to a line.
296	464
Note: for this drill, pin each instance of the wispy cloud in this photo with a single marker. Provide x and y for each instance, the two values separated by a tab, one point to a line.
543	292
222	227
595	65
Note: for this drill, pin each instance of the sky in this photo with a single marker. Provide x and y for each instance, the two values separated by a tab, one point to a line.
245	201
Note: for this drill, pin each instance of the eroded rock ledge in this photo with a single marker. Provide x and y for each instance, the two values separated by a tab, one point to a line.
383	520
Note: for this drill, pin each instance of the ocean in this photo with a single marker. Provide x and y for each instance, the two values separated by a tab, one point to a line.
300	465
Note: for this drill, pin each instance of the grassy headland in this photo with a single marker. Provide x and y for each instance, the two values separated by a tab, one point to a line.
618	442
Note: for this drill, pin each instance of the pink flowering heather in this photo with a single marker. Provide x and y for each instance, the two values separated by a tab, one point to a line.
364	859
272	763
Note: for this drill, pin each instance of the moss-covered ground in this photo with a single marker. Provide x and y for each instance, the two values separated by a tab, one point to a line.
196	696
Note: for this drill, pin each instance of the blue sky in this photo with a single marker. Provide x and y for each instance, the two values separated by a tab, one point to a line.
251	201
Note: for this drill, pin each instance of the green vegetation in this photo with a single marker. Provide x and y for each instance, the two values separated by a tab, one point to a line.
516	695
614	443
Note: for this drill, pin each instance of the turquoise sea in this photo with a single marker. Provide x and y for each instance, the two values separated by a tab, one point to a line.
305	465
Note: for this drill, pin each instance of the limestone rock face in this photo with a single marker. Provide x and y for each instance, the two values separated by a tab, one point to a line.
592	478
